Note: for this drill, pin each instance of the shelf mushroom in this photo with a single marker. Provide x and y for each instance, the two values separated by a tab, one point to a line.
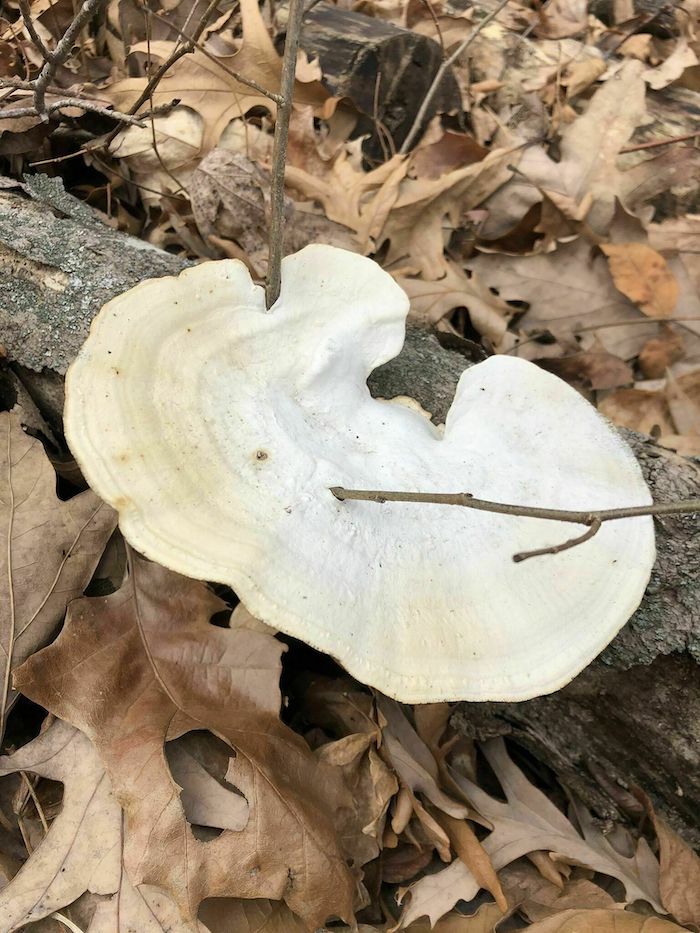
217	429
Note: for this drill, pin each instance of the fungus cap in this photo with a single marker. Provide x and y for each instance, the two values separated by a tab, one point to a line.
216	429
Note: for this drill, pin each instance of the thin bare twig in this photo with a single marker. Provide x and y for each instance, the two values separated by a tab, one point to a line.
654	144
440	74
52	61
589	533
279	153
82	104
26	11
436	22
593	518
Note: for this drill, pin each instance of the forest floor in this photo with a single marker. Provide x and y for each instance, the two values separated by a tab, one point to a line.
549	209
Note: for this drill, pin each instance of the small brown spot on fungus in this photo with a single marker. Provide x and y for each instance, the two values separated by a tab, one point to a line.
261	455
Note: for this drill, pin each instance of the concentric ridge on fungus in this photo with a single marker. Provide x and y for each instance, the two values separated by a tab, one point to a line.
216	429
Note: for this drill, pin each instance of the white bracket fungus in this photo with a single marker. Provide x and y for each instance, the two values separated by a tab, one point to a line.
216	429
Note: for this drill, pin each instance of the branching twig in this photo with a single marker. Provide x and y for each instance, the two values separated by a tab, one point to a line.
63	49
440	74
279	153
593	518
52	61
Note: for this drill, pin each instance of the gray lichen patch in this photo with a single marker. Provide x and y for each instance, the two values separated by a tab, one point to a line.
59	263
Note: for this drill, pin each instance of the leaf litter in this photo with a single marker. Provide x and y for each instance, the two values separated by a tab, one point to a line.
555	218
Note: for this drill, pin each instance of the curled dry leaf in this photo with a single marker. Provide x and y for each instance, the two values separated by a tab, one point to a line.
684	408
642	274
144	665
483	921
585	183
603	921
372	785
418	774
81	851
681	57
178	140
53	548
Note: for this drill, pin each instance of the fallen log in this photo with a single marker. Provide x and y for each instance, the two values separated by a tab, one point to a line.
633	717
384	70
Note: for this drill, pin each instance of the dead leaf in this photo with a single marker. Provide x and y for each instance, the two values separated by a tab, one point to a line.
642	274
404	862
526	822
564	292
143	665
414	226
581	74
433	300
640	410
412	760
539	898
226	915
468	848
372	785
681	57
591	369
660	352
448	153
680	871
227	193
198	764
82	851
680	235
562	18
207	87
603	921
586	181
178	137
483	921
359	200
54	547
685	411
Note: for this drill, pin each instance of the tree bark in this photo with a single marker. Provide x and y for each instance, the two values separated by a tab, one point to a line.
633	716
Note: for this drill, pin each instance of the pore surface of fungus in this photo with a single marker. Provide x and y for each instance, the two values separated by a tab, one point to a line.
216	429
